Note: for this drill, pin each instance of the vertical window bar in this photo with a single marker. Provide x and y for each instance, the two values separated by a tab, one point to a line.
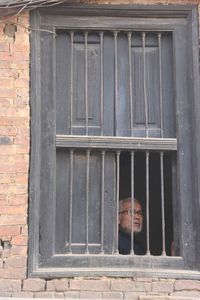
116	79
102	198
147	201
87	199
144	82
86	82
130	82
101	76
71	81
132	201
162	203
117	202
160	84
71	198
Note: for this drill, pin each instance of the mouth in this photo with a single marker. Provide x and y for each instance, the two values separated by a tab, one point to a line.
136	224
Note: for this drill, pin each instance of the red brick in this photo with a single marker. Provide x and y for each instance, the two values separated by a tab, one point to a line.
21	83
18	250
24	230
9	230
58	285
7	93
4	47
13	220
8	130
9	73
16	262
19	47
6	178
20	240
13	210
20	189
18	199
89	285
21	140
6	102
33	285
10	285
6	189
6	121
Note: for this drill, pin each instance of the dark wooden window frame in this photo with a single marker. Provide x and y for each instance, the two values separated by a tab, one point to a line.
182	21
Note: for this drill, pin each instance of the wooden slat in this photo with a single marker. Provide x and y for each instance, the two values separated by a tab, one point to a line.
120	143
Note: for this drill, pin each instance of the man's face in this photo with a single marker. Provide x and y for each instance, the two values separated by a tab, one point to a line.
125	217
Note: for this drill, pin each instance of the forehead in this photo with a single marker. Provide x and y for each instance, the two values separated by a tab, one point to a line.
128	205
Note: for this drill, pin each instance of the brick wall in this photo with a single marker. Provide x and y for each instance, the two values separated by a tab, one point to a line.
14	166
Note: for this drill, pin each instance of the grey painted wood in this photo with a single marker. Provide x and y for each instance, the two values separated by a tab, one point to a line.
97	142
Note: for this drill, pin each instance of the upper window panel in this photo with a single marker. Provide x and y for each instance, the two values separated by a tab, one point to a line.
115	83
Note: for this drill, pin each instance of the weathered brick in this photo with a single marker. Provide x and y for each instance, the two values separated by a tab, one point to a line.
112	295
16	262
163	286
5	253
10	285
58	285
17	273
5	274
5	294
133	295
44	295
59	295
89	285
130	285
90	295
22	295
187	285
187	294
72	295
33	285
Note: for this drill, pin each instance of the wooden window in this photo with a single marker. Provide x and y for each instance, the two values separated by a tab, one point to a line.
114	115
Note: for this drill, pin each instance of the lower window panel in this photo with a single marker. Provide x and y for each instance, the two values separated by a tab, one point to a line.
90	187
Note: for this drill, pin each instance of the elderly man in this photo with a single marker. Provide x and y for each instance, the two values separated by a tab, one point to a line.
126	227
